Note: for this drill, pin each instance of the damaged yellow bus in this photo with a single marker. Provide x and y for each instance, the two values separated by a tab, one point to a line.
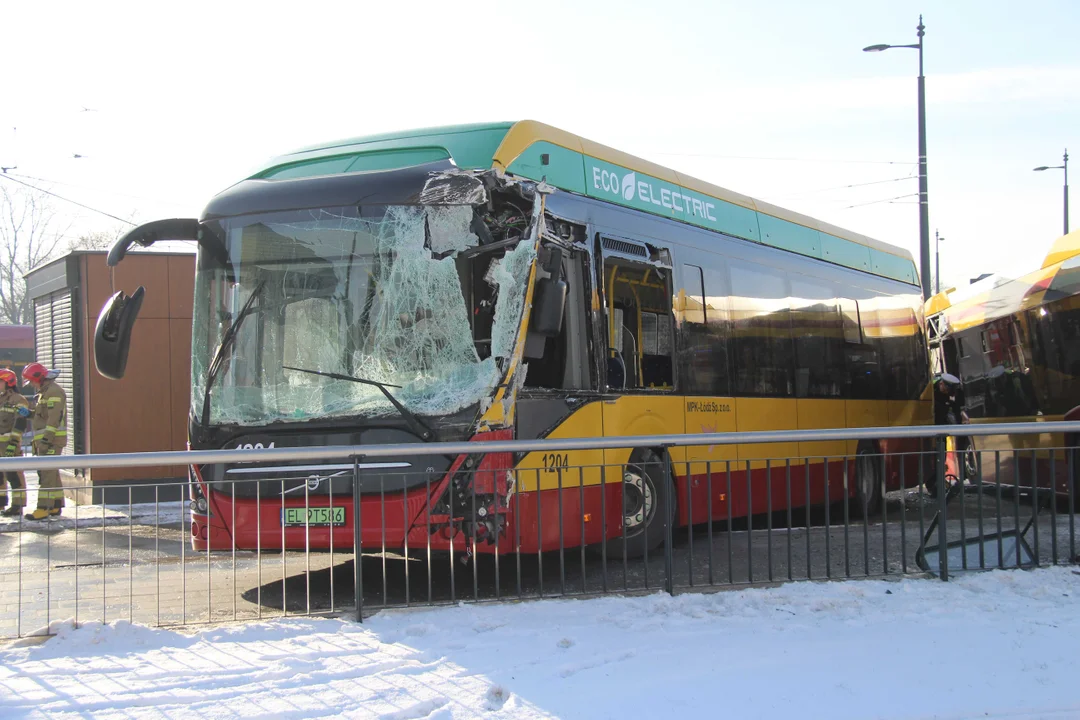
513	280
1015	345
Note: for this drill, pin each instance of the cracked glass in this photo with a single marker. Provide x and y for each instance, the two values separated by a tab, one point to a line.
370	292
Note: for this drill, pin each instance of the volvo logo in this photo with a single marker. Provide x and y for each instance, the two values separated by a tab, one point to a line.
312	484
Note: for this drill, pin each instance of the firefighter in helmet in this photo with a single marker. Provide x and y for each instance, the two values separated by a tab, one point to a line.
13	408
49	423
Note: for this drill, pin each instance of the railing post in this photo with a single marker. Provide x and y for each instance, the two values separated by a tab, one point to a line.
669	508
943	550
358	587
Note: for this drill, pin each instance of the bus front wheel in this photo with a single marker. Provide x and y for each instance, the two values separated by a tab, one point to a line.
644	507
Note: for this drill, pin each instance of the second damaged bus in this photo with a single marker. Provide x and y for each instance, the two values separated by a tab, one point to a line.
516	281
1015	345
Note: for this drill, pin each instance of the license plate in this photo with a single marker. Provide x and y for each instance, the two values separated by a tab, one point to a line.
313	516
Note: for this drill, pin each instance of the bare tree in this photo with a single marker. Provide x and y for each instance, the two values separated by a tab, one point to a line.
28	239
98	239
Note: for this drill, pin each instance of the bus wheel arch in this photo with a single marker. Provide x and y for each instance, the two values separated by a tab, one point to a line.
644	503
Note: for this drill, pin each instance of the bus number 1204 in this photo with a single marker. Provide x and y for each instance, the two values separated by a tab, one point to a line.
553	462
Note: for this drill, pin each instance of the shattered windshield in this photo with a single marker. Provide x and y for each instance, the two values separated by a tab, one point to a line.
382	293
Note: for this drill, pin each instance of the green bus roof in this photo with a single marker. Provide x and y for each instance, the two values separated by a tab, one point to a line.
469	146
571	163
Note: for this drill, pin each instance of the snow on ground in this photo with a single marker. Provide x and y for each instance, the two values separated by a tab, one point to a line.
88	516
73	515
999	644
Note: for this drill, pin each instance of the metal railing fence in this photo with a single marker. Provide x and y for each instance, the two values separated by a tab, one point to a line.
717	520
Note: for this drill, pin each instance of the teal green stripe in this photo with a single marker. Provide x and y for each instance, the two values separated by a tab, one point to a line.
561	167
471	147
846	253
612	183
789	236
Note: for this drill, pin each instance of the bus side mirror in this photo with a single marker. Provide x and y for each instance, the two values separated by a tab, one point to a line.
112	336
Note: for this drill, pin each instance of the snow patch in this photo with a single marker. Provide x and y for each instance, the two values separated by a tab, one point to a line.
999	644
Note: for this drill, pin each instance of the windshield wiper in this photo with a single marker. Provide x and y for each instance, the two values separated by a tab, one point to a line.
226	341
411	420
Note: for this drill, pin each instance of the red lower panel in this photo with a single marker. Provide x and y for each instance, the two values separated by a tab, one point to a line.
742	492
902	459
258	524
533	522
539	521
551	519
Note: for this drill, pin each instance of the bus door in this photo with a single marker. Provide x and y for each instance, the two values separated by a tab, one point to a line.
639	347
559	397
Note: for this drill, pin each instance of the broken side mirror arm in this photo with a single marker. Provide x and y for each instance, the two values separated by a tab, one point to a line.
149	233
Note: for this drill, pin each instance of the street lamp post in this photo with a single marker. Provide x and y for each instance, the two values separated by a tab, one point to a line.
924	208
937	262
1065	167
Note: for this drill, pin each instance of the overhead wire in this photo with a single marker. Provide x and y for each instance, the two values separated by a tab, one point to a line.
84	187
840	187
7	176
787	159
884	200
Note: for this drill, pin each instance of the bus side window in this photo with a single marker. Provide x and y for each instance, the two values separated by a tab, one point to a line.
640	329
904	355
764	362
863	354
718	318
819	340
950	357
565	363
703	357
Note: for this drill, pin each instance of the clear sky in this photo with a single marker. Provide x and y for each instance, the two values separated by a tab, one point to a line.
774	99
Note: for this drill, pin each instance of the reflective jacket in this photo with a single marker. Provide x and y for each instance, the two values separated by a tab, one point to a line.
10	438
49	420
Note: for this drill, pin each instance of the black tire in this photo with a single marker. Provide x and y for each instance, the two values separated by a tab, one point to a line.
645	504
868	499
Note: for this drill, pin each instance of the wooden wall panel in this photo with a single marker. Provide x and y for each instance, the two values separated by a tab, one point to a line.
91	273
134	414
96	289
147	410
150	270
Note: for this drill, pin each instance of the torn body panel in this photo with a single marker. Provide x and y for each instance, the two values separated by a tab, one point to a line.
500	414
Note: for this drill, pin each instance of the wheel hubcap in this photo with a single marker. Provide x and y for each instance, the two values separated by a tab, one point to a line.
638	500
